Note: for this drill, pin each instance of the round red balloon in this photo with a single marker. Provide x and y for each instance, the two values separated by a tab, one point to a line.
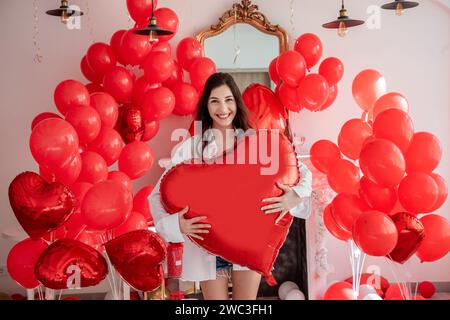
352	136
323	154
187	51
122	178
418	192
141	9
378	198
100	58
343	176
134	48
42	116
375	233
168	20
94	168
273	73
118	82
106	205
291	67
86	122
442	194
107	108
391	100
22	259
136	159
394	125
163	46
186	99
333	227
71	93
332	69
382	162
150	131
157	104
339	291
176	76
367	87
331	98
436	243
79	189
69	173
94	87
140	88
53	143
313	91
310	47
201	69
158	66
424	153
346	208
140	202
108	144
289	97
88	73
115	42
136	221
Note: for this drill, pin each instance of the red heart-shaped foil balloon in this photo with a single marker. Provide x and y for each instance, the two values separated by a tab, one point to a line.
230	195
410	235
137	256
266	111
65	260
130	124
39	206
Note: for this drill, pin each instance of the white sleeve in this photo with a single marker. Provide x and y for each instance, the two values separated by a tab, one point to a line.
166	224
303	190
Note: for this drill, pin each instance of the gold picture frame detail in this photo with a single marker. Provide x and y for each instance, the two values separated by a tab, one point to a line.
246	12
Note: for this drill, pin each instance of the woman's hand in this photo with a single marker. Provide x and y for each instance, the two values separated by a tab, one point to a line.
290	199
190	227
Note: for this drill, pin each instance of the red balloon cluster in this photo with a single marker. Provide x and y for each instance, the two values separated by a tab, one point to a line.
78	195
296	87
383	173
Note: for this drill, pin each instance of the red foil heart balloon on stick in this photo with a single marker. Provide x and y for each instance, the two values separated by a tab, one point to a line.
130	124
230	192
410	235
66	260
137	257
40	207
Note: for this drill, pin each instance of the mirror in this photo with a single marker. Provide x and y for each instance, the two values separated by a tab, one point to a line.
243	43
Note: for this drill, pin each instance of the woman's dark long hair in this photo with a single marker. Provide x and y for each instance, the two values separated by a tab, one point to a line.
240	120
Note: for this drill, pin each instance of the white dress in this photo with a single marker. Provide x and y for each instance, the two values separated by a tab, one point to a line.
198	264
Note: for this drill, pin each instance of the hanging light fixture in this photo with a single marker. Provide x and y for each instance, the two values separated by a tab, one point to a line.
343	22
399	6
152	30
64	12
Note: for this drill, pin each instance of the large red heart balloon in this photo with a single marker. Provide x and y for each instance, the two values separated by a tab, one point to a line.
410	235
59	264
39	206
137	256
230	195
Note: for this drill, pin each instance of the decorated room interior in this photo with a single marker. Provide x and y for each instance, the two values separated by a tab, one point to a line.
98	96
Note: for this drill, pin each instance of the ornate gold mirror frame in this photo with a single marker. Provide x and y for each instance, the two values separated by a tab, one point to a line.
249	13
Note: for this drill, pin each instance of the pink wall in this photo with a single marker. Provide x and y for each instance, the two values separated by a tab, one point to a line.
412	52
